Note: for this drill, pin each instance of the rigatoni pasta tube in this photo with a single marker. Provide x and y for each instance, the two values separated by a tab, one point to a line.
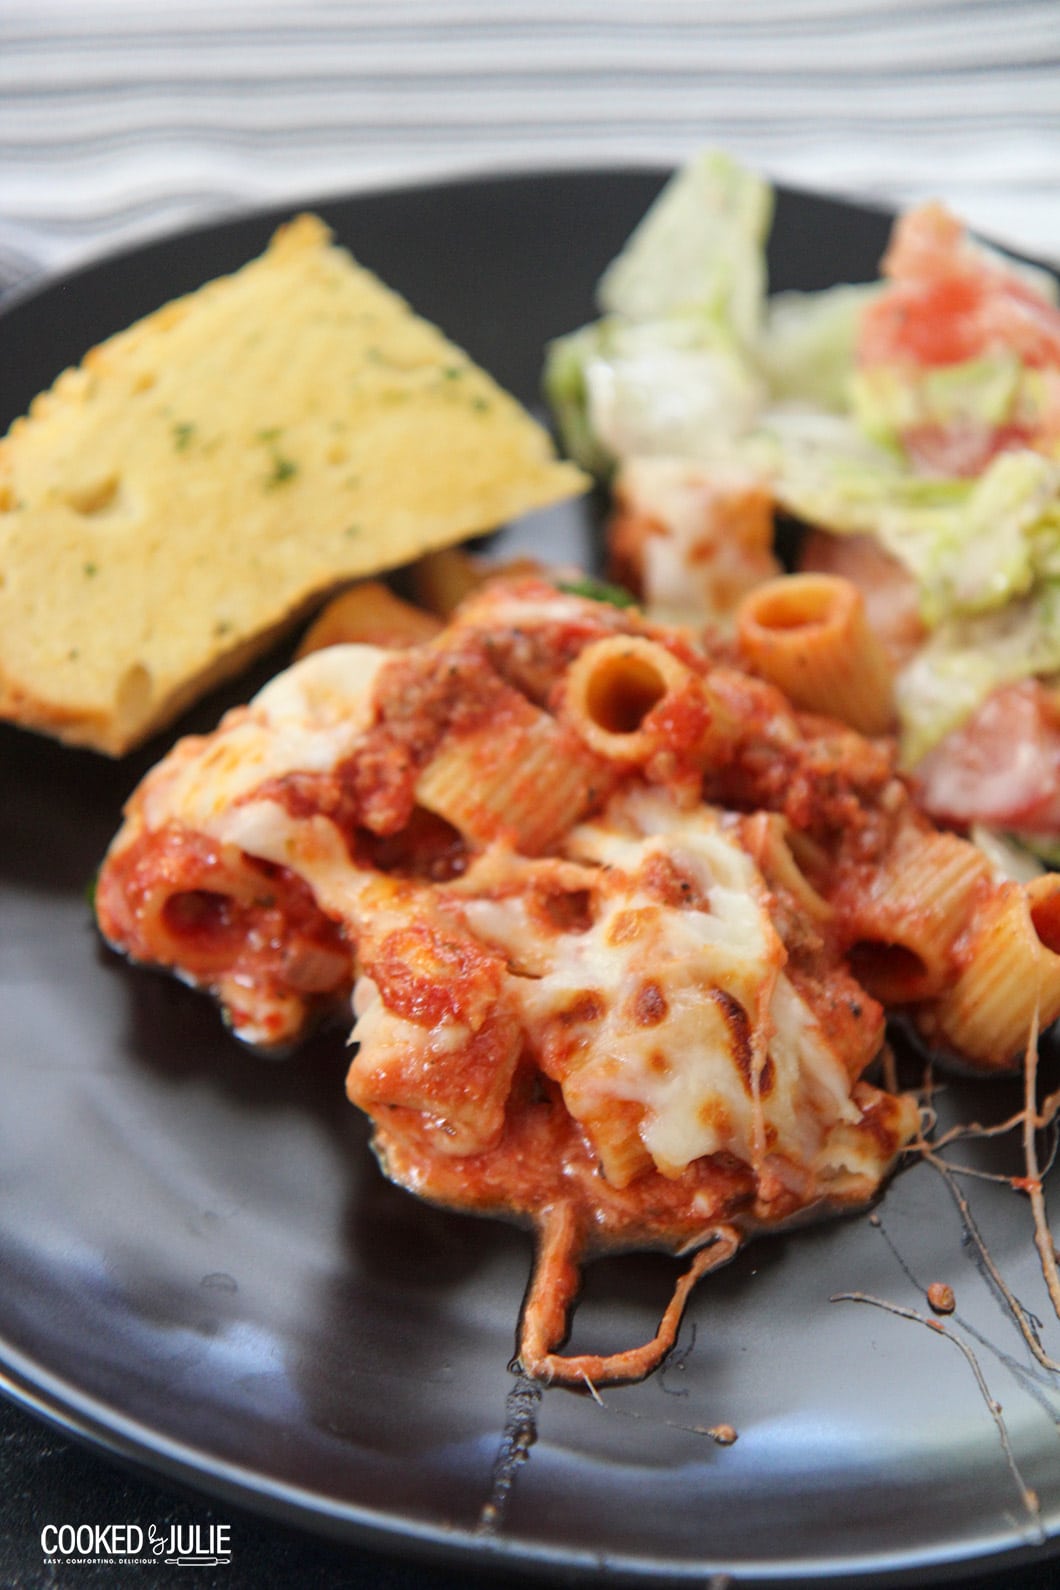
441	580
1011	979
523	777
903	927
619	688
808	634
369	614
193	912
613	1128
766	837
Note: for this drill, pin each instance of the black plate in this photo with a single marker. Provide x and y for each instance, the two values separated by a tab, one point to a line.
203	1271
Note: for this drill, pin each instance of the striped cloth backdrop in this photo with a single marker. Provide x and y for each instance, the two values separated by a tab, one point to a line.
120	119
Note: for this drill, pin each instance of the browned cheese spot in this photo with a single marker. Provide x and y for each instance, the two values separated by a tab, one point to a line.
568	911
735	1018
649	1005
589	1006
713	1115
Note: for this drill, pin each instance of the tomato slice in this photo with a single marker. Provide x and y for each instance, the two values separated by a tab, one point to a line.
1001	767
949	301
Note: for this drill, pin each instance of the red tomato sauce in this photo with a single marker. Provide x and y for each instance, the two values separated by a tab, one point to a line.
177	898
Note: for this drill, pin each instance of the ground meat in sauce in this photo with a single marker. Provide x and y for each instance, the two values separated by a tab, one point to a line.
423	694
827	781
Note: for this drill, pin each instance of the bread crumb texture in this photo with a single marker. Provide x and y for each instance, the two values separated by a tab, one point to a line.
202	479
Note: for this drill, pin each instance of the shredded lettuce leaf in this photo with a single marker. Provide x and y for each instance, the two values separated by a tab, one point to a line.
622	389
700	249
1011	859
966	659
663	387
1043	850
566	390
670	362
806	346
971	545
888	400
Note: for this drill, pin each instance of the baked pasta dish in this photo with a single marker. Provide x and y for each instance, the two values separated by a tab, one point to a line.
617	924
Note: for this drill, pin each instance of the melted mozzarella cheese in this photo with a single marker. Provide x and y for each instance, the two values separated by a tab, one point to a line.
307	720
697	1023
663	1040
807	1068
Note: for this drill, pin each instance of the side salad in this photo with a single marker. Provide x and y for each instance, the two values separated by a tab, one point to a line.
910	424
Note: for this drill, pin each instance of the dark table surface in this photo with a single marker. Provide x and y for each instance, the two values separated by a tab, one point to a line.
46	1478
